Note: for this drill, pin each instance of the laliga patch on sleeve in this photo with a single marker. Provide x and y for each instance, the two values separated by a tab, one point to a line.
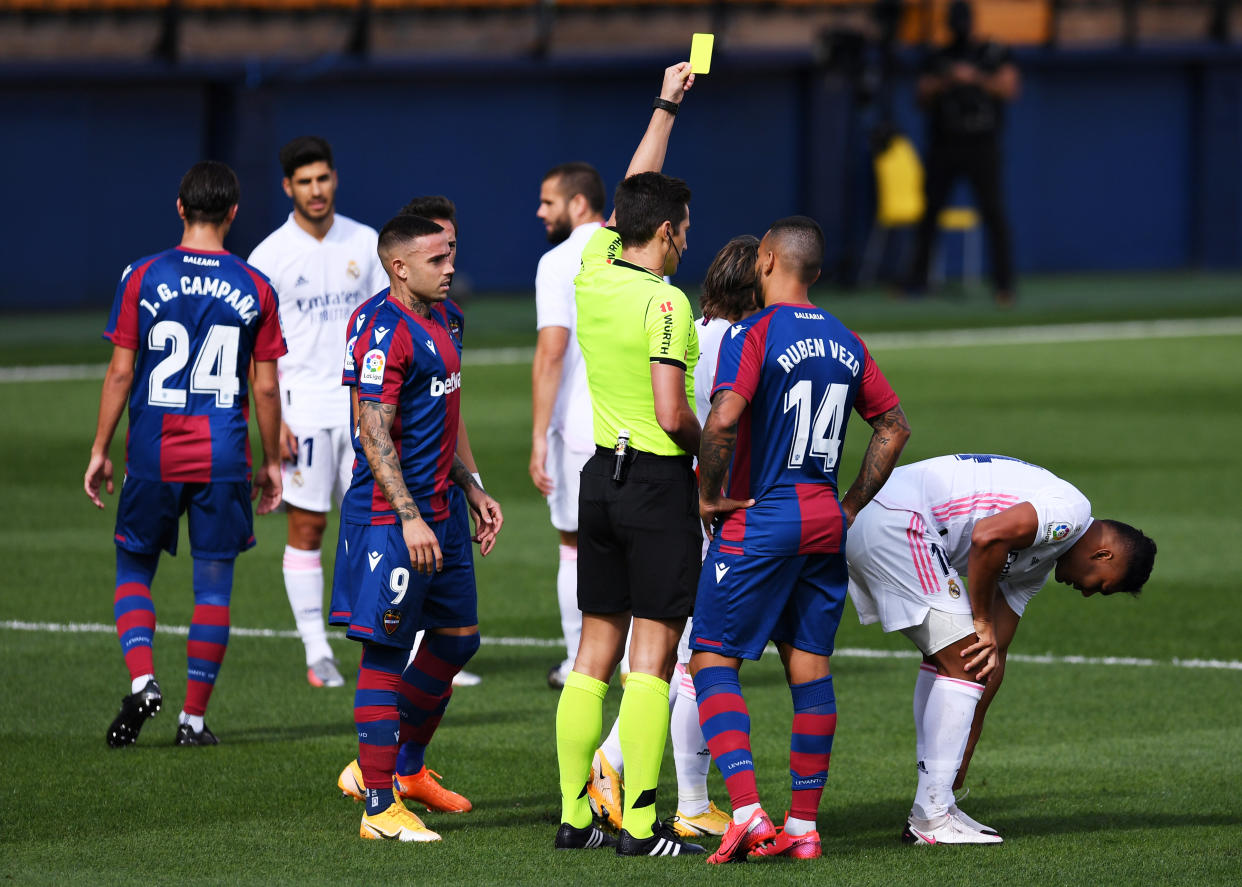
1057	531
701	53
372	368
349	354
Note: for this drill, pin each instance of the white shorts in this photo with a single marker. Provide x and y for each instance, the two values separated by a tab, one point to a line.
324	468
939	630
564	465
898	570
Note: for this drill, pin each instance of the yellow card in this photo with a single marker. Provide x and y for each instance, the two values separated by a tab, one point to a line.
701	53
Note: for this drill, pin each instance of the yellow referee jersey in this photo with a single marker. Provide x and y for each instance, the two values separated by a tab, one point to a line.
628	318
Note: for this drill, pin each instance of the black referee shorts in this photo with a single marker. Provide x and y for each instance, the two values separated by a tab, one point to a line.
640	545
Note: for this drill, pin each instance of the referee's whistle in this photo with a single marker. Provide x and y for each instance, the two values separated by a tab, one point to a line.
618	461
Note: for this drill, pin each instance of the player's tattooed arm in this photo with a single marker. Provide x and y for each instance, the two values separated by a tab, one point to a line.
374	424
461	475
715	453
485	510
888	438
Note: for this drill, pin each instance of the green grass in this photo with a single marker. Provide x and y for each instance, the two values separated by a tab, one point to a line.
1097	774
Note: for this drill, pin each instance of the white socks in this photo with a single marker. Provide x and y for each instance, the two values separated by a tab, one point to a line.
304	586
611	747
690	754
927	677
139	682
947	717
195	721
567	598
741	814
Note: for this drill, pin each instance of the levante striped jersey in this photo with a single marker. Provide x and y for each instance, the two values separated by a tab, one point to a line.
801	371
398	357
195	320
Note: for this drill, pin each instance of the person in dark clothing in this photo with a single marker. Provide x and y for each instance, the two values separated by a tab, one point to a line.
963	89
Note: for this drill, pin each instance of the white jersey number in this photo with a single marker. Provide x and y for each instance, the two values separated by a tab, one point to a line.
823	433
215	366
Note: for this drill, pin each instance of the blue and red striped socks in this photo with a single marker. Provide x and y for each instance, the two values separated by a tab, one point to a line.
376	716
426	687
134	611
209	632
726	727
810	745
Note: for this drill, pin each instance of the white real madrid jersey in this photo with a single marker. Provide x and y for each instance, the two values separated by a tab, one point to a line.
572	416
319	283
710	334
953	493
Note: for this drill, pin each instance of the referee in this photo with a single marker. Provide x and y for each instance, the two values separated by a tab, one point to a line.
639	542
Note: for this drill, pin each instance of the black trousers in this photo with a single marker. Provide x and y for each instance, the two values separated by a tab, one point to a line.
978	160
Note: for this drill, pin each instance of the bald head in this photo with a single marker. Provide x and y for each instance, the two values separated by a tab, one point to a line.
798	246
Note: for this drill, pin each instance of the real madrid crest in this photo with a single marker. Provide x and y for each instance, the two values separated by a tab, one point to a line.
955	590
353	270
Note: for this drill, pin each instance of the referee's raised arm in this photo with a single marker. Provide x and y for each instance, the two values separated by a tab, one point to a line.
639	544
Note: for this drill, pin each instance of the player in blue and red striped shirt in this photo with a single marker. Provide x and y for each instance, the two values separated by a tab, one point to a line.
185	325
404	562
786	380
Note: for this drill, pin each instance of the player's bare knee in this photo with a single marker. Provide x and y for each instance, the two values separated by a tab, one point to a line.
306	528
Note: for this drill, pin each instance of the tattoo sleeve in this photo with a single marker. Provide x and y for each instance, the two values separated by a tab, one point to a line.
891	431
715	453
374	422
460	475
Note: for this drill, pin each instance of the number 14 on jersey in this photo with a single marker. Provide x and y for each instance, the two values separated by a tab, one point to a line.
820	436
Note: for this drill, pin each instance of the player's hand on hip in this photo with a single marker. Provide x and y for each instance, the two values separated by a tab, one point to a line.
710	510
420	541
98	474
268	488
538	472
288	443
982	652
677	82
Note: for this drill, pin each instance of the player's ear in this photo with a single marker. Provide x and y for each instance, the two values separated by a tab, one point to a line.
232	214
288	186
180	209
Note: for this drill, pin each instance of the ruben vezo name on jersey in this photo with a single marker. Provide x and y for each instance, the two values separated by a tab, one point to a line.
245	304
805	349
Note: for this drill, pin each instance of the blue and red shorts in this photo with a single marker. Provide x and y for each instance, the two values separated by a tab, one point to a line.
381	599
220	520
745	600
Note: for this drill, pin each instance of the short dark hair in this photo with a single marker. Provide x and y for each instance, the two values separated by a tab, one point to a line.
1140	552
208	191
799	241
432	206
729	287
580	178
403	228
646	201
303	151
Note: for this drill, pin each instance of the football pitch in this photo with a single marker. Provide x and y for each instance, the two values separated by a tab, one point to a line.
1112	755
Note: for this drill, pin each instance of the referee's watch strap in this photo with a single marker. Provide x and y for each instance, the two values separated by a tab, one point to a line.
665	105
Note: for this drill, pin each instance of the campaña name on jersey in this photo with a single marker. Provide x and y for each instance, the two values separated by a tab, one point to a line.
807	348
246	305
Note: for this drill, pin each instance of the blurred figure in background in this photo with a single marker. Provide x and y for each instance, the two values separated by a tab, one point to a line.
963	90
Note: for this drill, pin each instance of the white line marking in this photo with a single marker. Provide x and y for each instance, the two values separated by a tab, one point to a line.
1048	334
844	652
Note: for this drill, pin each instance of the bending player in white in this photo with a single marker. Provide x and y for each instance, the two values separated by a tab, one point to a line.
571	207
728	296
1005	524
322	265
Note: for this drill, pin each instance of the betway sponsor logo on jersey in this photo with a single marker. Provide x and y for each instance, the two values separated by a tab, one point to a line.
439	387
201	260
805	349
245	304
